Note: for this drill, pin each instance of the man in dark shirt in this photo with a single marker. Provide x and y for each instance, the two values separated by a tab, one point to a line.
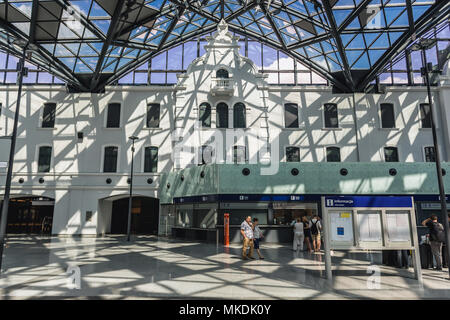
435	238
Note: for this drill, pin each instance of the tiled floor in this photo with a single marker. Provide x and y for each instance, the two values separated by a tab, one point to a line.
158	268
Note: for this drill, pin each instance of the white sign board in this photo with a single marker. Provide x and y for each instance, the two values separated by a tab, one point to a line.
370	226
397	224
341	226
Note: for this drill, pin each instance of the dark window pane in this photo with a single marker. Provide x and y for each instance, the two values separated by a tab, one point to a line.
292	154
239	154
333	154
44	160
113	118
110	159
222	73
205	115
430	155
291	115
153	111
151	159
390	154
48	117
239	115
425	115
331	115
387	115
222	115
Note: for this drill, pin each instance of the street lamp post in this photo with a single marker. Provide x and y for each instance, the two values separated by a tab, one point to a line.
130	200
423	45
26	46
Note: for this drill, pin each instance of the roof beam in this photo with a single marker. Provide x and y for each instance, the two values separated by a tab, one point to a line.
180	12
274	27
337	38
50	61
107	42
438	11
142	22
34	14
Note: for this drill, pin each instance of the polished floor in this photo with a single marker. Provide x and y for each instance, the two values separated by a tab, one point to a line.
148	267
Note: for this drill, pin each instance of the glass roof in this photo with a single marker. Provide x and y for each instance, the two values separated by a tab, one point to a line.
92	43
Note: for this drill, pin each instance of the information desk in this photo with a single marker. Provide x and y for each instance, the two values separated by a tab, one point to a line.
197	234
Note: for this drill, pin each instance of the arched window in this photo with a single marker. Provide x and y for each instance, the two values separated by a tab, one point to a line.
333	154
222	115
222	73
239	120
205	115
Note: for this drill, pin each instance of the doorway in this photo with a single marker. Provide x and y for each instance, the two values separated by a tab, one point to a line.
30	215
144	216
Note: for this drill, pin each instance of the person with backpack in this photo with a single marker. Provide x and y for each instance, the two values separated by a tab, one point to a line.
437	237
316	229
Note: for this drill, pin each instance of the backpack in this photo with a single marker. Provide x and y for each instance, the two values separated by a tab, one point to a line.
314	227
437	232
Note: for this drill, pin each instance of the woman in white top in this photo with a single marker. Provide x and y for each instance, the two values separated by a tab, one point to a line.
299	236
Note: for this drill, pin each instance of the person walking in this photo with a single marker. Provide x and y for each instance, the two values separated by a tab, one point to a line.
299	236
316	229
247	233
257	237
437	237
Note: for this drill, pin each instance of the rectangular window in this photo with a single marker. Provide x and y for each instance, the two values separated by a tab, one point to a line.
331	115
153	112
390	154
292	154
151	159
425	115
110	159
239	154
291	115
430	154
44	159
387	115
48	116
113	116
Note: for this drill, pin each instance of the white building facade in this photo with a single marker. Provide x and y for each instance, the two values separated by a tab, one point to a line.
87	135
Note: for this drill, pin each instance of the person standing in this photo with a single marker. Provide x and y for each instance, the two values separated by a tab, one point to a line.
247	233
316	229
437	237
299	236
307	232
257	236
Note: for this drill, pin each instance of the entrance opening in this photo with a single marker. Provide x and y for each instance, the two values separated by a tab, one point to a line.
30	215
144	216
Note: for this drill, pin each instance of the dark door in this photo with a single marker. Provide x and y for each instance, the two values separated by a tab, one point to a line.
144	216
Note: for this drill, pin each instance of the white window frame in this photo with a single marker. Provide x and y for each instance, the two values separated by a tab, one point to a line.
423	151
299	119
41	115
330	146
36	157
143	158
338	116
105	120
102	162
394	110
398	153
291	146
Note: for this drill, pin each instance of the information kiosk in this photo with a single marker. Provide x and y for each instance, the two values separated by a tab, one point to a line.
370	223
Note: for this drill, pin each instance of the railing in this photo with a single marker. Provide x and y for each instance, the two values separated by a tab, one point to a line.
222	85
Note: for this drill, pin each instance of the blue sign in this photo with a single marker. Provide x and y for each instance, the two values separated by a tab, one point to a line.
340	231
368	202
